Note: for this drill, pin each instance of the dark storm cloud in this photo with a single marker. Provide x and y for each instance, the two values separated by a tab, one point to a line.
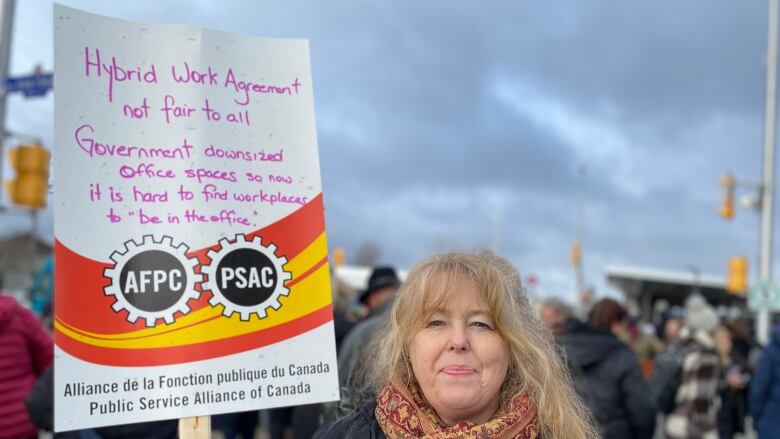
651	59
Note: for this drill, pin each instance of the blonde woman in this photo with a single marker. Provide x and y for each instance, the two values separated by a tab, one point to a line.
465	356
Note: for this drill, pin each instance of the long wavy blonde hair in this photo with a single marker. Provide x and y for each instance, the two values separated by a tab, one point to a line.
536	367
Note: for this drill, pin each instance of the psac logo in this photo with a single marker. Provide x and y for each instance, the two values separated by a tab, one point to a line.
246	277
155	279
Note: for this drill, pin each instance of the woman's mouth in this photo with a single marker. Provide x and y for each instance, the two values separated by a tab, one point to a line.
458	370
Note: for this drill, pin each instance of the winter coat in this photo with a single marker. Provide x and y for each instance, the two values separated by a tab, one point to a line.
351	361
695	415
360	424
40	401
26	350
608	378
764	399
354	345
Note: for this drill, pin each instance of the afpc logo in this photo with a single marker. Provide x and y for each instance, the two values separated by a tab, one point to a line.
246	277
152	280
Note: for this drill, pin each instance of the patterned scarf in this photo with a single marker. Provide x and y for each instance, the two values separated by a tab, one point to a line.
403	413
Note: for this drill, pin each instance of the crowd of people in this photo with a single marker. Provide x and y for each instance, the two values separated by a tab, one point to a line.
459	350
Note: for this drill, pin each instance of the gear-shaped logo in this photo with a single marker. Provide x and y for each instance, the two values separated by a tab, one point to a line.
246	277
152	280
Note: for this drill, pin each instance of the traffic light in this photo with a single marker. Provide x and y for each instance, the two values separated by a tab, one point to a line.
727	207
339	257
737	281
576	253
31	184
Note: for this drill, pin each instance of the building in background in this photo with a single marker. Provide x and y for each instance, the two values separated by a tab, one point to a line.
646	290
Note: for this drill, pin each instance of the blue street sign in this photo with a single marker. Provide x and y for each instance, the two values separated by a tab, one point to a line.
32	85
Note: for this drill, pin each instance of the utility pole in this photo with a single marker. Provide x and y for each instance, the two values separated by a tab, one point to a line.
6	28
581	203
767	187
696	273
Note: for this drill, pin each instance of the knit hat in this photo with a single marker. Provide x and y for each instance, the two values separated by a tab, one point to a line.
701	315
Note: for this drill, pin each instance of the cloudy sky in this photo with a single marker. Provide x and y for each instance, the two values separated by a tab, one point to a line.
441	122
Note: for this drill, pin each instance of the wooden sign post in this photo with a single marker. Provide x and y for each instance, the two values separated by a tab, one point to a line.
198	427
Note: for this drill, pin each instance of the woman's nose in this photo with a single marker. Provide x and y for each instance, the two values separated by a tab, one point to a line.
458	340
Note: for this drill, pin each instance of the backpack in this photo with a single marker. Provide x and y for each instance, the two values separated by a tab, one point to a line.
667	377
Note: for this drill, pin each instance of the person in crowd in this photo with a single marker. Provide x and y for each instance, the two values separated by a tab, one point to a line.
607	374
667	368
42	289
696	402
305	419
279	422
733	382
378	296
464	356
26	350
555	314
343	319
672	330
382	286
764	394
237	424
744	347
645	345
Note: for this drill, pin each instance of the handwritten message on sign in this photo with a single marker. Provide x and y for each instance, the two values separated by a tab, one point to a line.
191	257
194	186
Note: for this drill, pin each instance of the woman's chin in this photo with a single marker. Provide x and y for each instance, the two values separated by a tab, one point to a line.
458	399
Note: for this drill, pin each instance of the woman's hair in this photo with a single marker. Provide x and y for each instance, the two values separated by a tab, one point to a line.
738	327
605	313
536	368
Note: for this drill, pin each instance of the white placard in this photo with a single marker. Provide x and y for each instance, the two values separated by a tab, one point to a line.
191	256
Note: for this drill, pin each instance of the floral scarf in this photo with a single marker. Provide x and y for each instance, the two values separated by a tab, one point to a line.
403	413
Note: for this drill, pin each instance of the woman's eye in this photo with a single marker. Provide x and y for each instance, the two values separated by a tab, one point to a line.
482	325
435	323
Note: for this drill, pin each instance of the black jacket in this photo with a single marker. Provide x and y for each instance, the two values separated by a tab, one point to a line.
608	378
360	424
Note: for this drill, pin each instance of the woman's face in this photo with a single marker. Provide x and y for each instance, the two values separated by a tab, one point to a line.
459	359
723	342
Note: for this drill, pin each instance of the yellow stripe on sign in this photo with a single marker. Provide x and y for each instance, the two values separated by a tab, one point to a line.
307	258
305	297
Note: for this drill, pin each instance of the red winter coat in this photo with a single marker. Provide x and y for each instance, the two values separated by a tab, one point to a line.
25	352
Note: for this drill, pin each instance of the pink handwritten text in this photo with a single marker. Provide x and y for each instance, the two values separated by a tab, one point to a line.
115	72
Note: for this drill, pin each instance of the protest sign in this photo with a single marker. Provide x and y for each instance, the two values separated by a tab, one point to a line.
191	260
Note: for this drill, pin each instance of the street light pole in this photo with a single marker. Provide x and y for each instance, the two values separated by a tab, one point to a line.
695	285
581	205
6	28
767	192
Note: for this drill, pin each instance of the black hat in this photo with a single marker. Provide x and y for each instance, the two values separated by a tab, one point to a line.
381	277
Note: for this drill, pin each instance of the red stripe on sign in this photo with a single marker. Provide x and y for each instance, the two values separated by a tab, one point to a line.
79	281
